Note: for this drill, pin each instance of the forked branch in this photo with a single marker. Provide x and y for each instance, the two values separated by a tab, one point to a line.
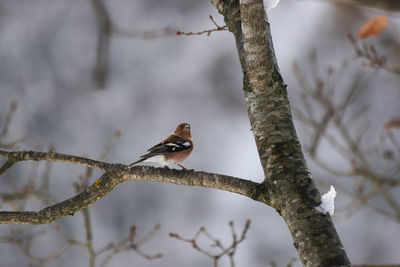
115	174
216	243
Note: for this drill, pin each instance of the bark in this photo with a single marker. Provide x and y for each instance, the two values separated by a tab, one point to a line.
290	188
114	175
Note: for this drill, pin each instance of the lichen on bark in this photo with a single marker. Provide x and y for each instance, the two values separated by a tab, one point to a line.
288	183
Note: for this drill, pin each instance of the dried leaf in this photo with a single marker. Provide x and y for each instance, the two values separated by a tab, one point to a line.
392	124
373	26
118	133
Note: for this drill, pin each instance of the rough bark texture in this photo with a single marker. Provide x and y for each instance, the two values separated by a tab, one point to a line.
291	190
114	175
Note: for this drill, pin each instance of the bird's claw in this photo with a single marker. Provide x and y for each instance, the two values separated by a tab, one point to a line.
183	168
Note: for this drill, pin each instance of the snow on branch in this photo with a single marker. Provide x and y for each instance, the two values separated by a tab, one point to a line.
328	202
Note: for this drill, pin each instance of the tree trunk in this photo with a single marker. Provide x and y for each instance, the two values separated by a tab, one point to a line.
289	187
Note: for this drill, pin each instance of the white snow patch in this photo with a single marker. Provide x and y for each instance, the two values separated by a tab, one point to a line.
270	4
328	202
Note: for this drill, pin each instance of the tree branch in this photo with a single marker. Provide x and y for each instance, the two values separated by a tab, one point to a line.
115	174
216	243
208	32
16	156
291	190
104	24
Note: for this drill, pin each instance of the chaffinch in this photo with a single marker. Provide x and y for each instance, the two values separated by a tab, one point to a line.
171	150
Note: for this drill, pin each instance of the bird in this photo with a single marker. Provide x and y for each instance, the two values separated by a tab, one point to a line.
171	150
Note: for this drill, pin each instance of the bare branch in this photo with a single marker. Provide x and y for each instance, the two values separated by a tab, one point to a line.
369	53
144	34
393	203
8	164
89	236
24	242
368	181
45	186
207	32
10	114
86	218
229	251
101	68
108	146
115	174
16	156
42	194
4	132
128	244
84	182
107	29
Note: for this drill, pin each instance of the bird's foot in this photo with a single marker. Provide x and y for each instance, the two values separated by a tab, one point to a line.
183	168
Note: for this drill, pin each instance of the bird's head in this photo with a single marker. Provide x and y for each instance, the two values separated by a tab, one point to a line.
183	130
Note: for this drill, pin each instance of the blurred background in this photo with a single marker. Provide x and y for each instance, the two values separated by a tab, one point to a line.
77	78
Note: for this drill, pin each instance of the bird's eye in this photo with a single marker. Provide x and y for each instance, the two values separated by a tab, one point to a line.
184	125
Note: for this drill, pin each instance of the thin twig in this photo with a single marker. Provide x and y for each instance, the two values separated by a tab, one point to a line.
4	132
128	244
9	116
322	91
83	184
101	70
369	53
228	251
207	32
144	34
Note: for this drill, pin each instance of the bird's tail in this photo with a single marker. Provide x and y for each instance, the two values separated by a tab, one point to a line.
136	162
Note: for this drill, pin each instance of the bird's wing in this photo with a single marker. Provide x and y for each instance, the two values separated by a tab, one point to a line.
171	144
